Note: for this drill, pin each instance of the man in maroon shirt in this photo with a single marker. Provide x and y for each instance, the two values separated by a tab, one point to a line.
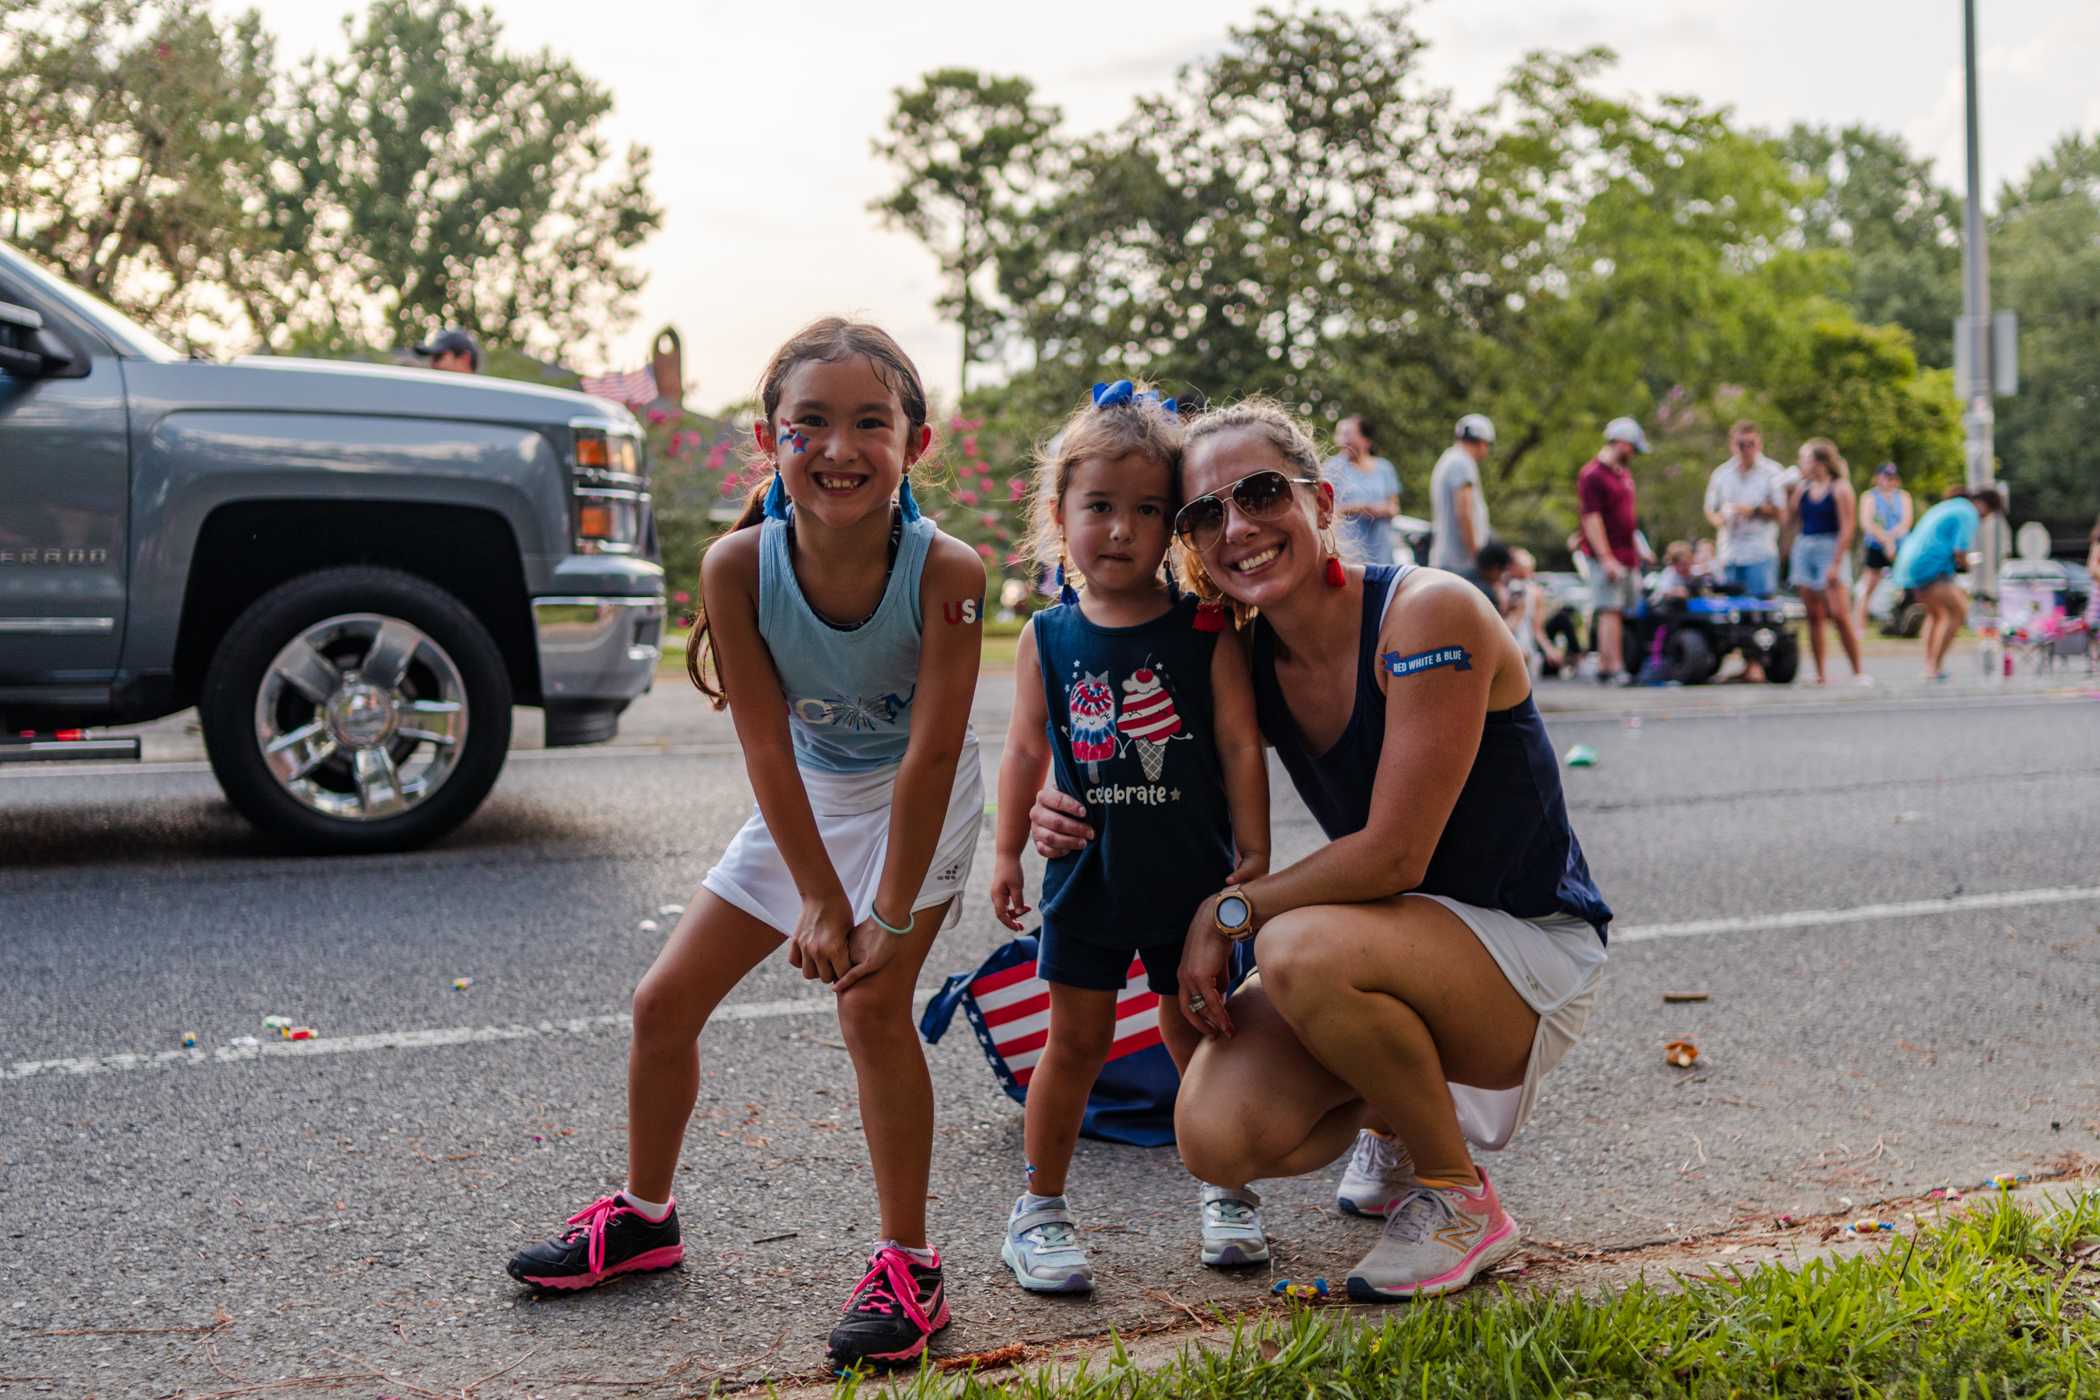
1604	496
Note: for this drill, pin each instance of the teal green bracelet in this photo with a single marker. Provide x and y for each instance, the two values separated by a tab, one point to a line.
889	928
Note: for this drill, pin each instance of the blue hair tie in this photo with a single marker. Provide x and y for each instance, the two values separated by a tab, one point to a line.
907	504
1123	391
776	498
1066	593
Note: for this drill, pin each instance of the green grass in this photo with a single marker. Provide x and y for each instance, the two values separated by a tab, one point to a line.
1995	1303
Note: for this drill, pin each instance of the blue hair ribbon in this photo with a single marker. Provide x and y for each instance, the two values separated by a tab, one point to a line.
1123	391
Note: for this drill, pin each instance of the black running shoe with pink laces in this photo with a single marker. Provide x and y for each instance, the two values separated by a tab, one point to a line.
606	1238
893	1313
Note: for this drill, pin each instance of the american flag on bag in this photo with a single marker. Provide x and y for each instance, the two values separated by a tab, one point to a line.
635	388
1008	1006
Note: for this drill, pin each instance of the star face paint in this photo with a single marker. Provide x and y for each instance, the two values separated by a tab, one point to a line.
794	437
1457	658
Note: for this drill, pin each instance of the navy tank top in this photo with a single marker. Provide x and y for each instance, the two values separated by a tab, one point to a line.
1507	844
1819	517
1131	737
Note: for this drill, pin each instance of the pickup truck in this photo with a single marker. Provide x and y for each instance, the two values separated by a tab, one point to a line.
352	571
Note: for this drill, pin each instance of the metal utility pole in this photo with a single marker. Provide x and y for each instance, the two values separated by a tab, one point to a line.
1977	415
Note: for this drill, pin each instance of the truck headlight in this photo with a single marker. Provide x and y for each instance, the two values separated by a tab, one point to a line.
611	489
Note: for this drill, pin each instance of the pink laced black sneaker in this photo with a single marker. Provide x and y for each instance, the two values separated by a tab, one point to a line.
894	1311
606	1238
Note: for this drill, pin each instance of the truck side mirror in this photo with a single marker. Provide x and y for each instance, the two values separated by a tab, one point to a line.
26	352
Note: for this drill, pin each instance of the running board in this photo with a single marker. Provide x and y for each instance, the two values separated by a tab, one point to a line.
51	748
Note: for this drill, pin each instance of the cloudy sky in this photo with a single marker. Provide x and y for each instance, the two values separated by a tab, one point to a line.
759	115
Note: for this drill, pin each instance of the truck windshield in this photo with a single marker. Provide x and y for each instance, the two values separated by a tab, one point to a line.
129	335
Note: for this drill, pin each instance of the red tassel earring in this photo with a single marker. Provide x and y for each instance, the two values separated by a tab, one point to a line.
1335	577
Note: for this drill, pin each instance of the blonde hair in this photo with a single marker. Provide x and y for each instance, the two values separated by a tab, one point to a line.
1139	426
1826	453
1294	443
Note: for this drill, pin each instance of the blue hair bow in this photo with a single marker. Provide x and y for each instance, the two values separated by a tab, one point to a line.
1123	391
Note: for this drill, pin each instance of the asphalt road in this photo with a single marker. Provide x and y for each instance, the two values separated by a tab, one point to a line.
346	1208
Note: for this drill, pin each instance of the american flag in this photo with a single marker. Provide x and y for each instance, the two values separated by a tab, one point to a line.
1014	1004
634	388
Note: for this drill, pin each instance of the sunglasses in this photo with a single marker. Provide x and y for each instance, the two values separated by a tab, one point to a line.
1261	495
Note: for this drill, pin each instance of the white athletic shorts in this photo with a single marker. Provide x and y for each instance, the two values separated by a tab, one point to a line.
853	816
1555	964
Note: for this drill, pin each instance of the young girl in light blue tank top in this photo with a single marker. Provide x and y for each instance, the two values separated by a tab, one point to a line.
843	635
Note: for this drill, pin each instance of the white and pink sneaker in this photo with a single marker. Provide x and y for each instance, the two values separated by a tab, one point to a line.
1437	1239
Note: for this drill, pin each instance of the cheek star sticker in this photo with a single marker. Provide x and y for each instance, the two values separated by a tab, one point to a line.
794	437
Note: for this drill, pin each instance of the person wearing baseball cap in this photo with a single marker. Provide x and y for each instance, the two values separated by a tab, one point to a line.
451	349
1458	510
1604	497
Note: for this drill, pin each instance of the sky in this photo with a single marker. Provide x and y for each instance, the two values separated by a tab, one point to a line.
759	116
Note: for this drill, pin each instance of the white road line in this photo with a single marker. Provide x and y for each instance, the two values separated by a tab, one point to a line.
1857	914
811	1006
395	1040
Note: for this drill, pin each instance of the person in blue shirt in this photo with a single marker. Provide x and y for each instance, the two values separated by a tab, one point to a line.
1366	492
1419	974
1931	555
1141	706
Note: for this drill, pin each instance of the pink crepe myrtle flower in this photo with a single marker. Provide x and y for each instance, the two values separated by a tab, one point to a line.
657	415
681	596
968	498
985	550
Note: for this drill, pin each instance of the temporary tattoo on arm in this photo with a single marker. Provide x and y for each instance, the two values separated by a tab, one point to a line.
963	613
794	437
1457	658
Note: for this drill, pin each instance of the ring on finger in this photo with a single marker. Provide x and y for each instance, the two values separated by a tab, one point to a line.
1196	1001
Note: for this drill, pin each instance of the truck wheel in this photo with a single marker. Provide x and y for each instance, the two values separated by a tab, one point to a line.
356	709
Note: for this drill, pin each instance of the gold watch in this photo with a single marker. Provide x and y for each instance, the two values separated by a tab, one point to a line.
1233	915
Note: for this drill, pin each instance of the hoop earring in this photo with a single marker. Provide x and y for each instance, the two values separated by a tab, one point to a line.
1335	577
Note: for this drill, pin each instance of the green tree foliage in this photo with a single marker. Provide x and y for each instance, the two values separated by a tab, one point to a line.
439	178
1872	199
963	145
1860	387
2045	264
134	137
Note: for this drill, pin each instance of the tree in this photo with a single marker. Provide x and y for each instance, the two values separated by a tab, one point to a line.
2045	265
135	137
963	143
1861	387
1870	198
437	178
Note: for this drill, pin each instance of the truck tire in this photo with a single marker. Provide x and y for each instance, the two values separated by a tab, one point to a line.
356	709
1783	662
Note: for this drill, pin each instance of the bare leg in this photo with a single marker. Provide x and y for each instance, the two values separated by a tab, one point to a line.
1181	1038
896	1092
1839	607
1399	995
1610	651
711	950
1082	1027
1812	600
1869	580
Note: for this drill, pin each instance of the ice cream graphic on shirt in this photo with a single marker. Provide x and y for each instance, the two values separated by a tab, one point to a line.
1092	704
1148	720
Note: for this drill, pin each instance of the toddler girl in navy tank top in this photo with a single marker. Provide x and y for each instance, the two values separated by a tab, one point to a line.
1141	704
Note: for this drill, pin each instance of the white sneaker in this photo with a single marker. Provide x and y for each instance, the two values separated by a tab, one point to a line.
1042	1248
1379	1173
1232	1233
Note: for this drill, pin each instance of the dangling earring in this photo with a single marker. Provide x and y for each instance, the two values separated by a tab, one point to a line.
1066	593
776	498
907	504
1335	577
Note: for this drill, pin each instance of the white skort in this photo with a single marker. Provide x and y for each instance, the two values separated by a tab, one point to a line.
1553	963
853	817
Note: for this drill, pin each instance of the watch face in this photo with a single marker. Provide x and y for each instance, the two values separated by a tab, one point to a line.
1232	911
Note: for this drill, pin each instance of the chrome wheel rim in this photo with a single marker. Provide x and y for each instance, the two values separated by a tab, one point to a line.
361	717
